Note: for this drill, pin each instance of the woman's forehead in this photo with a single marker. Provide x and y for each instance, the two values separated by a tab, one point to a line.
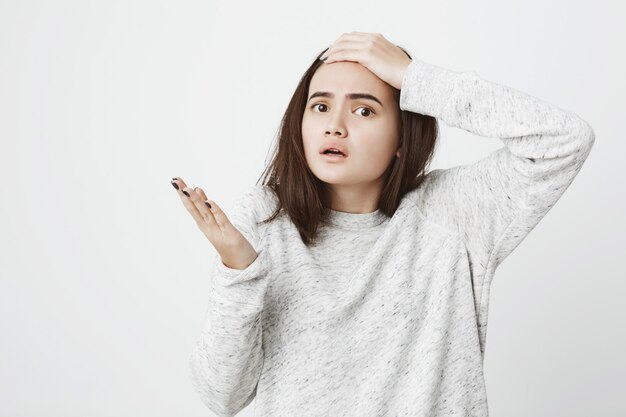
348	77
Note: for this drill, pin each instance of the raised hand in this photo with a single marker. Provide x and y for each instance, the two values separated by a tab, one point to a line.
386	60
234	249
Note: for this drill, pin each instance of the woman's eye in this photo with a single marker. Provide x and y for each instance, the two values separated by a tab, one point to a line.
367	109
317	104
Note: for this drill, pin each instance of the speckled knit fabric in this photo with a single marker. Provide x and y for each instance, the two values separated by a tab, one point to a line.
388	316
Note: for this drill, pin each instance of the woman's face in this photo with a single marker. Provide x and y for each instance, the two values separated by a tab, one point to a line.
367	129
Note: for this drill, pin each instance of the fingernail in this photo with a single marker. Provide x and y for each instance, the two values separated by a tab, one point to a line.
175	185
324	58
207	203
186	193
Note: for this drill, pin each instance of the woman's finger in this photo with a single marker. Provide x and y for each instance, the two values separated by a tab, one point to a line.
192	208
372	50
353	40
204	205
203	196
183	192
353	53
218	215
200	212
178	183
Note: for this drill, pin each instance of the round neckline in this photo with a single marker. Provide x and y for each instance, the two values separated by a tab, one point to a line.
356	220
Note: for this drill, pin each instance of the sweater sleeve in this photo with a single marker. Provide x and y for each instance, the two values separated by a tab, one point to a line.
494	203
227	358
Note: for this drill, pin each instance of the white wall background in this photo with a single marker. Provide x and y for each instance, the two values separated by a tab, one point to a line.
103	272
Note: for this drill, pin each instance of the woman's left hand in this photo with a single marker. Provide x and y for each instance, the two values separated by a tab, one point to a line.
386	60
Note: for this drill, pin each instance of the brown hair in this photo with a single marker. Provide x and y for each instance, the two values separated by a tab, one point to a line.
304	198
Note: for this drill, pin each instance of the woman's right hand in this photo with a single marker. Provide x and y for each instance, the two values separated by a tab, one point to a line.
234	249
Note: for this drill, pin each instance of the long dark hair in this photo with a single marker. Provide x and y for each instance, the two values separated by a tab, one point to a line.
304	198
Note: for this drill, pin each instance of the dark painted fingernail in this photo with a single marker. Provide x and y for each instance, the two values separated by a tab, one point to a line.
207	203
175	185
186	193
324	58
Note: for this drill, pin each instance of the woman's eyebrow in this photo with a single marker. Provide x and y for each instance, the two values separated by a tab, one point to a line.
351	96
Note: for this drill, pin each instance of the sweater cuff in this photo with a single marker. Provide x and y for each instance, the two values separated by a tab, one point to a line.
227	276
427	89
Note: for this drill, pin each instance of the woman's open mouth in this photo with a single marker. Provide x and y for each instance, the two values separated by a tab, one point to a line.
332	155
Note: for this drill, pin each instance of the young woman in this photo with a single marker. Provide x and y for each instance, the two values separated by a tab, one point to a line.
356	283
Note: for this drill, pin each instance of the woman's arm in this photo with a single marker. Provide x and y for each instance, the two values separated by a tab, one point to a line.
227	358
495	202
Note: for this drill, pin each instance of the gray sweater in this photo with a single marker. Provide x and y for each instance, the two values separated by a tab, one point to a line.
388	316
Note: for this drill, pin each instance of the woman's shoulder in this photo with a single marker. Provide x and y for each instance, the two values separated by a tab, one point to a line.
432	182
430	198
259	198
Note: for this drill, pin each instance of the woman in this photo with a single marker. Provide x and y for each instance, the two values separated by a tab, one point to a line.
358	283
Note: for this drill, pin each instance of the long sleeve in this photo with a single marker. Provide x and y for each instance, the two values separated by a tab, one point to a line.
494	203
227	359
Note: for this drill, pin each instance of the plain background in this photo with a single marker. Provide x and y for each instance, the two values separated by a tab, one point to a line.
103	271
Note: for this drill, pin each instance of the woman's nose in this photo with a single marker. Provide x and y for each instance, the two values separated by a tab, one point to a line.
336	126
336	131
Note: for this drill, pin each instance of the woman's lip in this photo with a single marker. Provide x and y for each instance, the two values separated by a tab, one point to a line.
334	157
330	153
340	149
